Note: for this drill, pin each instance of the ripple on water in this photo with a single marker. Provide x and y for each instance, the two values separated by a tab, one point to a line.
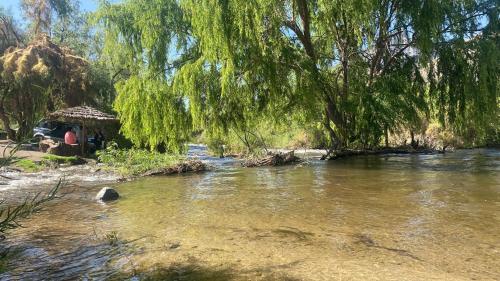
386	218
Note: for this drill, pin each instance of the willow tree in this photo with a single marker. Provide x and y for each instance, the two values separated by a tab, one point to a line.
139	37
362	67
361	61
464	81
171	89
39	77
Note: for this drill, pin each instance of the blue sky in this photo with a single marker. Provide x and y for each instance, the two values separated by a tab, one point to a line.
12	6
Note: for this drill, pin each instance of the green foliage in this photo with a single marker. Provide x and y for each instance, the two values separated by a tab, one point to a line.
28	165
151	114
215	145
360	68
291	134
50	158
133	162
464	89
101	86
440	137
71	29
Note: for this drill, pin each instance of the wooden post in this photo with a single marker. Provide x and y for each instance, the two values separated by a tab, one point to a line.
84	139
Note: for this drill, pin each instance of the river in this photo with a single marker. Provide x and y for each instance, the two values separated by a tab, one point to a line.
411	217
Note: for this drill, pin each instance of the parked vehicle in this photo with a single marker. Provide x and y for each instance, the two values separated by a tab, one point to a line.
54	130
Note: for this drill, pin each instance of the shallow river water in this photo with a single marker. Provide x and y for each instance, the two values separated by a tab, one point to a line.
421	217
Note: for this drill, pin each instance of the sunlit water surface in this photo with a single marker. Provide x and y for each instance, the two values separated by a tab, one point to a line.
425	217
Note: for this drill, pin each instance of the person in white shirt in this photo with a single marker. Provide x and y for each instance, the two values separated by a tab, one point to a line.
79	134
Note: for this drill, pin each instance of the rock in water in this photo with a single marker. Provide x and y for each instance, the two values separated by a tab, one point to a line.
107	194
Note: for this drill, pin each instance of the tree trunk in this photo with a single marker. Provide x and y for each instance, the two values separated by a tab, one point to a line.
386	134
331	132
11	134
84	138
303	32
413	143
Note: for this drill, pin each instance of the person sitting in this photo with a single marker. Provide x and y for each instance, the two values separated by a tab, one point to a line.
79	134
97	140
102	139
70	137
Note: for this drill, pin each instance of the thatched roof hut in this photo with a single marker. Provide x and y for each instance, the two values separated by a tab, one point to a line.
86	116
83	115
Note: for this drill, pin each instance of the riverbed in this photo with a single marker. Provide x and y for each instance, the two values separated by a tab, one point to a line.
392	217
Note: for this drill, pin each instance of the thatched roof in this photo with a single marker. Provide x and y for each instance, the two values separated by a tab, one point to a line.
82	114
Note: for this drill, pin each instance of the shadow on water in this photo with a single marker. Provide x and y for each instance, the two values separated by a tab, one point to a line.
195	271
189	271
110	258
90	262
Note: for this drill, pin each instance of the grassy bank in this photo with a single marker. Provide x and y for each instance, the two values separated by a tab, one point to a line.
47	161
136	162
126	162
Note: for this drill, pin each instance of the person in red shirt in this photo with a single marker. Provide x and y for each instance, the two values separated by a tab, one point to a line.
70	137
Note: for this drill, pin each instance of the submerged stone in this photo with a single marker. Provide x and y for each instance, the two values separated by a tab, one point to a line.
107	194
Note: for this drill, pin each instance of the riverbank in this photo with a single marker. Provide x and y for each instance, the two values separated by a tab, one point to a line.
131	163
32	171
123	165
114	165
325	154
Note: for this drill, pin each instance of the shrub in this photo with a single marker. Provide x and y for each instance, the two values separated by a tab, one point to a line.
28	165
134	161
